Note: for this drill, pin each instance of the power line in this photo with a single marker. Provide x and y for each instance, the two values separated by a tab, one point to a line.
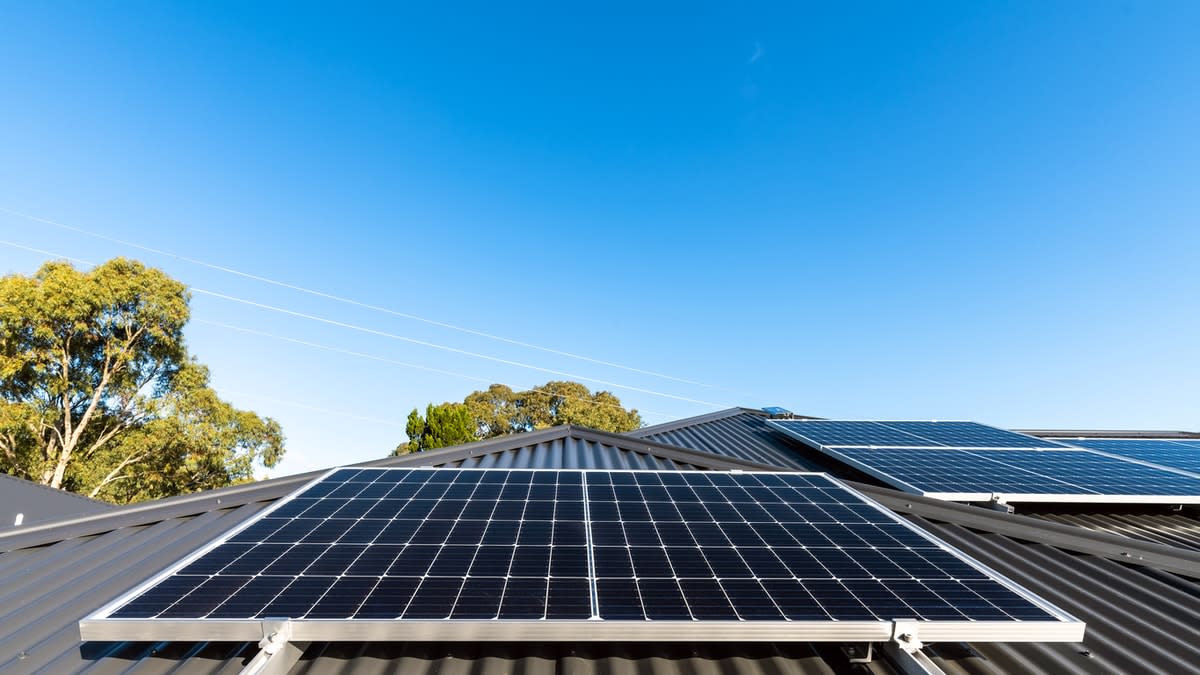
383	334
357	303
405	364
305	406
455	350
52	254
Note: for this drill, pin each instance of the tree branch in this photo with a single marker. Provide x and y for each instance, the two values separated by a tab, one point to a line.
113	475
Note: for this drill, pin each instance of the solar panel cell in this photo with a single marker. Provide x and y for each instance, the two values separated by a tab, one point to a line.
569	599
480	598
663	600
524	598
388	598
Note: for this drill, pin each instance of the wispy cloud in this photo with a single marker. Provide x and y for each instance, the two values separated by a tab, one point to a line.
758	52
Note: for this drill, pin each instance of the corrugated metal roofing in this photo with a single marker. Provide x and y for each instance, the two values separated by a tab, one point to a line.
1179	529
739	433
571	452
1140	619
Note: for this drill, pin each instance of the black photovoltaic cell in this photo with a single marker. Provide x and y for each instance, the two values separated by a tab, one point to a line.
1043	472
966	460
839	433
1176	454
447	544
834	433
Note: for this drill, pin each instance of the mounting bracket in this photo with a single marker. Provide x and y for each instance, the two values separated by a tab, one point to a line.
904	651
859	653
277	653
998	503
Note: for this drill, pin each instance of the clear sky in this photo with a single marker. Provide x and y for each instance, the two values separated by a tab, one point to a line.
985	211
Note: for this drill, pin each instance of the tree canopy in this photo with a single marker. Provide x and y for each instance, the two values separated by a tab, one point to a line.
442	426
98	394
499	410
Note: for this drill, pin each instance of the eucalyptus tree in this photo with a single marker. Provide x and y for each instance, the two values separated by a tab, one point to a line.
98	394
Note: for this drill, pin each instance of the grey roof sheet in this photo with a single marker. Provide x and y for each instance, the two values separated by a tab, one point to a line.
1141	619
40	504
738	432
1179	529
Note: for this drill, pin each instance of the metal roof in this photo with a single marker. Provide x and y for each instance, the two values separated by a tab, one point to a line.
36	503
1141	610
1164	526
738	432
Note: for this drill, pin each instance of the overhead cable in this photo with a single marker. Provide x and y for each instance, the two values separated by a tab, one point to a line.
357	303
455	350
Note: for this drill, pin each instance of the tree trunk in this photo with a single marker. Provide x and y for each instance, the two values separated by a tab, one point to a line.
60	469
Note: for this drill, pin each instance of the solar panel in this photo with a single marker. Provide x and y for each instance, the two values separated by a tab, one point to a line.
971	435
1176	454
468	554
966	461
837	433
834	433
1063	475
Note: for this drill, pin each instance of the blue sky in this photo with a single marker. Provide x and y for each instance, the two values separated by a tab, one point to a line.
979	211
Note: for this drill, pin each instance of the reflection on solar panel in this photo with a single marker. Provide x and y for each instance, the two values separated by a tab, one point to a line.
965	461
450	554
834	433
1176	454
1021	475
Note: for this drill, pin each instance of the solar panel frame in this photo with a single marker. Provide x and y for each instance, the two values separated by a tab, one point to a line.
101	625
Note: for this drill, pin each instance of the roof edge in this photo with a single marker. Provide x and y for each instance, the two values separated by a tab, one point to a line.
75	495
1109	433
689	421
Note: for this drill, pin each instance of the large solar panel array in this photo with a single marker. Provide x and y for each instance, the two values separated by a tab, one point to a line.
965	461
569	554
1183	454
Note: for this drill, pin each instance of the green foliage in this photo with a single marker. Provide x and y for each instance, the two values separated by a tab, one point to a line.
442	426
499	410
98	394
